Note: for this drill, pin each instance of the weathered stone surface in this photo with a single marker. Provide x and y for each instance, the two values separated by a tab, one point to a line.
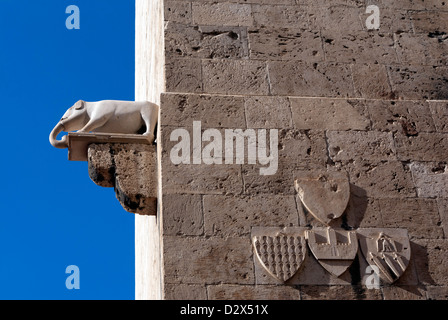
202	179
208	260
371	81
302	149
431	179
431	264
411	4
185	292
234	216
183	214
280	16
419	216
391	20
336	16
205	42
363	46
437	293
282	182
302	79
404	293
211	110
235	77
439	111
258	292
407	117
183	75
224	14
177	11
361	211
285	44
329	114
429	23
422	147
268	112
131	170
443	213
369	145
380	179
334	292
421	49
419	82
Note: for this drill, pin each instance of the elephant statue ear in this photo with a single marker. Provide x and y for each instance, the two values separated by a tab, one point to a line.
79	105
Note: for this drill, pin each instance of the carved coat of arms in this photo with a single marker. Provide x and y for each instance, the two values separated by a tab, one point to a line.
280	251
388	249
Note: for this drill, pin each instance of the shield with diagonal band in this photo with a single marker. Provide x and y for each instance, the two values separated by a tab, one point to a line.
324	194
281	251
386	248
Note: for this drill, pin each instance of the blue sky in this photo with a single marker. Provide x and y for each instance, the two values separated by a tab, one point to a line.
52	214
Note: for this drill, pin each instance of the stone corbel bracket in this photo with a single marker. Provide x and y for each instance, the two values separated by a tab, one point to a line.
128	163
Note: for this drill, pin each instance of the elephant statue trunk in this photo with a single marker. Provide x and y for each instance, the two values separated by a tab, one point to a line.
61	144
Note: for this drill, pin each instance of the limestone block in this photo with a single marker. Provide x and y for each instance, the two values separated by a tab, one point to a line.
334	292
439	5
408	117
370	145
212	110
431	263
280	16
182	214
205	41
336	16
234	216
201	179
371	81
258	292
235	77
419	216
422	147
404	293
285	44
379	179
439	111
282	182
419	82
329	114
429	22
178	11
302	79
131	169
302	149
183	75
421	49
437	293
211	260
361	211
184	292
431	179
443	212
268	112
359	46
224	14
391	20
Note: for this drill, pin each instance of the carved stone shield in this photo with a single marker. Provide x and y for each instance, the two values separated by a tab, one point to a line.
324	194
281	251
335	249
386	248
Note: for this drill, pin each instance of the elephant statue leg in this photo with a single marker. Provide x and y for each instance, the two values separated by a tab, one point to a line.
150	119
93	124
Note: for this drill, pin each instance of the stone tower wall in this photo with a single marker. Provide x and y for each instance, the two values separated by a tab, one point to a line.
343	98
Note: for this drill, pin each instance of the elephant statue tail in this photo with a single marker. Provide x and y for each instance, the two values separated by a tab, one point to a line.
61	144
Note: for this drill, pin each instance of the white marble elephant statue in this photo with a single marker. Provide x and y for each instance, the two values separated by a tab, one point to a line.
107	116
